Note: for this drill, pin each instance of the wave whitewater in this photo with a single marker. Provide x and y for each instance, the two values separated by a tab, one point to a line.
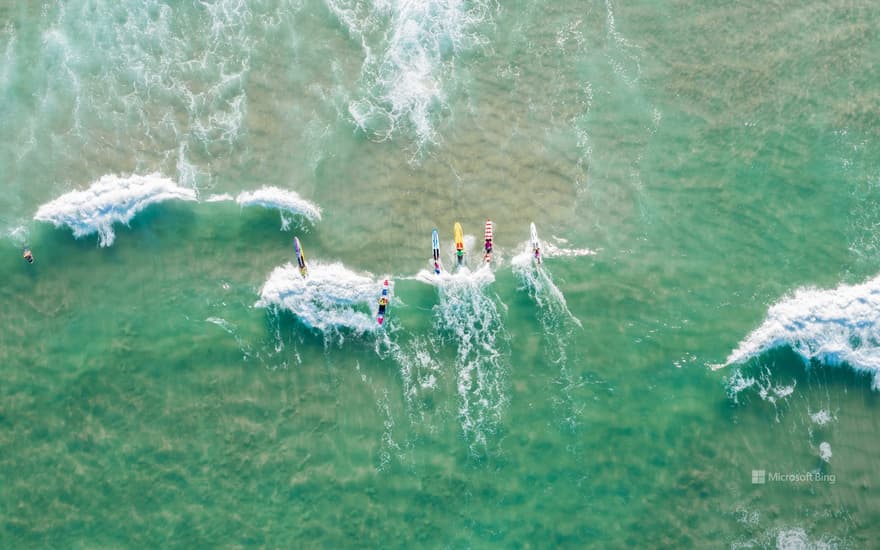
112	199
332	298
117	199
839	326
281	199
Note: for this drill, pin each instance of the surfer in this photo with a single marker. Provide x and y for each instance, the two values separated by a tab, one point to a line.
435	244
28	255
488	235
459	243
300	258
536	244
383	303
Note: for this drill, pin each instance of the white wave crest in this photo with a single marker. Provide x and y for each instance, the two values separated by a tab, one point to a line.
282	199
331	298
837	326
112	199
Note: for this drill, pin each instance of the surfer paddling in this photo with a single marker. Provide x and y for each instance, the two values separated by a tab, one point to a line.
27	255
435	244
488	237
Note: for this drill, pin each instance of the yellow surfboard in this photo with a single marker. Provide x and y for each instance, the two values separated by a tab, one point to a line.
459	243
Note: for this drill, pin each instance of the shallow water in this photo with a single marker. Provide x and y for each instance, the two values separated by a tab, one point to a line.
691	172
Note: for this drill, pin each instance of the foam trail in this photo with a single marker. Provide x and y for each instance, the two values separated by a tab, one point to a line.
331	299
549	250
838	326
541	288
557	323
467	318
419	372
111	199
282	199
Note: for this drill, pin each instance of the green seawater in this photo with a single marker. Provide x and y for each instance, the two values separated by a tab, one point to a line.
706	159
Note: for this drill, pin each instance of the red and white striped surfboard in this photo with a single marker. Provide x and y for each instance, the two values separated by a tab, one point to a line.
488	236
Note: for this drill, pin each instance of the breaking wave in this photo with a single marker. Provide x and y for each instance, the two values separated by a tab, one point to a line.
331	300
112	199
281	199
835	327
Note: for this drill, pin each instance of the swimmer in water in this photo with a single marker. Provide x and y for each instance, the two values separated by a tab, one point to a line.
28	255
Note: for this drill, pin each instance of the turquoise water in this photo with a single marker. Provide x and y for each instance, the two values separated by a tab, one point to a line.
693	172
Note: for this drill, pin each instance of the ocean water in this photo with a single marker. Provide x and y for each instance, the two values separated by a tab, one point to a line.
694	364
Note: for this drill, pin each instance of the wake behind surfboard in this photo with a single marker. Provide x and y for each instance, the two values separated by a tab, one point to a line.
300	258
459	243
383	303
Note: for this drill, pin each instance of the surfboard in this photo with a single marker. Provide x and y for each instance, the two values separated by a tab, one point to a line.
536	244
435	244
383	303
459	243
300	257
488	236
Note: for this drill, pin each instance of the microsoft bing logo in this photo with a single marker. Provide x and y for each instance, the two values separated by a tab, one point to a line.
759	477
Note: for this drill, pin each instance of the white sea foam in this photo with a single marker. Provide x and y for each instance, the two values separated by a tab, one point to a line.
461	276
837	326
541	288
222	197
825	451
467	318
171	73
557	323
405	82
331	299
112	199
821	417
549	250
281	199
19	235
797	539
419	373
